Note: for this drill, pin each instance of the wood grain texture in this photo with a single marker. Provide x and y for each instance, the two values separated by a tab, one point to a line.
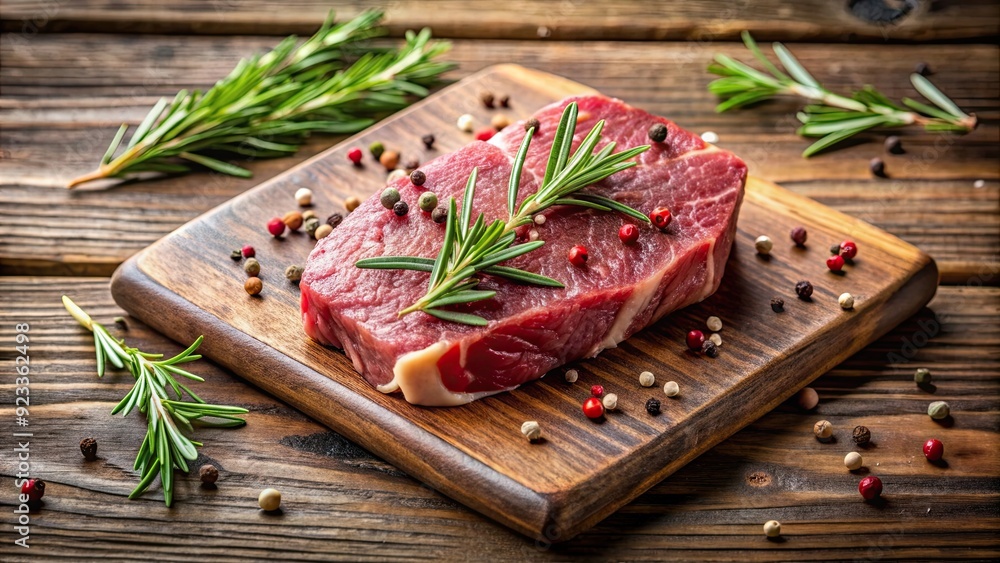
63	97
828	20
582	472
343	503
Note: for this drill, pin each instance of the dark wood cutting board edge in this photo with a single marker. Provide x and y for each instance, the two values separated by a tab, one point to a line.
548	516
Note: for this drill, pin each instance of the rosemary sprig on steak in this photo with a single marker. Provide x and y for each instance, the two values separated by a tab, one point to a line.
270	103
472	247
834	117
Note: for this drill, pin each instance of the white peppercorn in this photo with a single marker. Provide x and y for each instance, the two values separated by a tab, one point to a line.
304	197
671	389
853	461
322	231
352	203
714	324
293	273
395	175
938	410
772	528
531	430
572	375
646	379
763	245
610	401
465	123
846	301
269	500
714	338
823	430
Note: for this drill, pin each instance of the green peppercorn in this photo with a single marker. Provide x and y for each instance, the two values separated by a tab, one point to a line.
311	225
428	201
293	273
251	267
938	410
922	376
389	197
236	255
376	149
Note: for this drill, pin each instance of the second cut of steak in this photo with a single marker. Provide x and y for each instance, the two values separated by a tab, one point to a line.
621	289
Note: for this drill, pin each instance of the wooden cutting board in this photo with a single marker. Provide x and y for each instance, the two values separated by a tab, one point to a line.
186	285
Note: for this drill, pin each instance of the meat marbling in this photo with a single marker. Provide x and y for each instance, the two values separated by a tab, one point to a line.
622	289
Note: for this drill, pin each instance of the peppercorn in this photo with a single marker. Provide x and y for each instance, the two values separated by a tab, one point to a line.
269	500
293	273
428	141
610	402
877	167
532	123
804	290
893	145
354	155
352	203
499	121
938	410
439	215
714	323
653	406
504	101
276	227
835	263
647	379
376	148
293	220
253	286
304	197
311	225
251	267
572	375
322	232
846	301
487	99
763	245
710	137
34	488
427	202
661	217
870	487
88	447
710	349
401	208
922	68
835	249
628	233
417	178
308	214
335	220
485	134
715	339
933	449
772	528
799	236
657	132
531	430
596	390
922	376
465	123
578	255
208	474
389	197
540	219
236	255
823	430
593	408
861	435
248	251
411	164
389	159
695	339
853	461
848	250
777	304
671	389
807	398
395	175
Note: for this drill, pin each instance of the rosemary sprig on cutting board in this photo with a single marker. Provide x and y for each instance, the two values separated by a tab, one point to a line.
473	247
270	103
833	117
165	446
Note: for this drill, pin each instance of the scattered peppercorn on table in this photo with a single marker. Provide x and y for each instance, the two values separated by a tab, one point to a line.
936	464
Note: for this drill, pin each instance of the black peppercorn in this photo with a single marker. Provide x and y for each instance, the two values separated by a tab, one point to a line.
334	220
877	166
505	101
835	248
777	304
208	473
236	255
88	447
439	215
861	435
653	407
532	123
487	99
411	164
804	290
400	208
428	140
799	236
922	68
710	349
417	177
893	145
657	132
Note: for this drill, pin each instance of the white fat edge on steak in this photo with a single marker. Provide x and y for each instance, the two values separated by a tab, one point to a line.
416	374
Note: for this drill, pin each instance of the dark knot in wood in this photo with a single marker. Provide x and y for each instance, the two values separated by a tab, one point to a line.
881	11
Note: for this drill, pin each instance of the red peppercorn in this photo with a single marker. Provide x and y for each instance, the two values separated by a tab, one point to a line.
870	487
354	155
933	449
597	390
660	217
695	339
629	233
835	263
248	251
593	408
578	255
34	488
276	226
485	134
848	249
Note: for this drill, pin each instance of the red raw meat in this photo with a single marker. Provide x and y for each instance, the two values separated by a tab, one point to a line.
622	289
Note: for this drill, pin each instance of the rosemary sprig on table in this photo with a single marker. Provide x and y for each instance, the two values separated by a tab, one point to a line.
269	103
834	117
471	248
165	446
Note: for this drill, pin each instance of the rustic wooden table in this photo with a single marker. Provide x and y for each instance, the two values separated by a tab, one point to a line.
72	71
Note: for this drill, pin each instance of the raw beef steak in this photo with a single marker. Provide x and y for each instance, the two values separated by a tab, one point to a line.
620	290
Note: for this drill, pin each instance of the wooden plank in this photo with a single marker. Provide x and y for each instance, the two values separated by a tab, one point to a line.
355	506
448	448
65	95
524	19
